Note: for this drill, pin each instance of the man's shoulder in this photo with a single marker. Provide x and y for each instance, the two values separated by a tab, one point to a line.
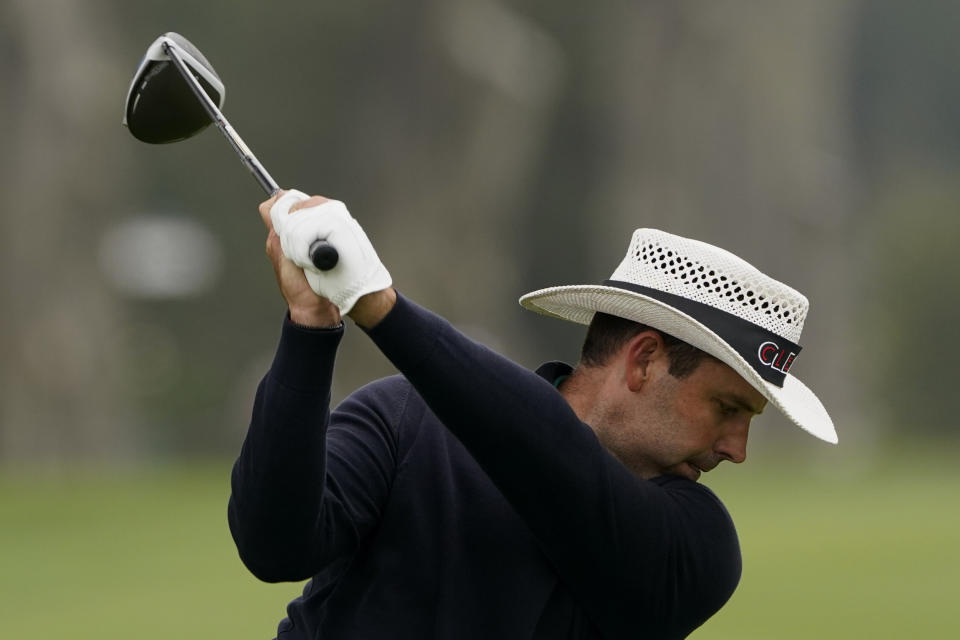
700	515
682	485
695	496
704	536
385	387
392	399
389	393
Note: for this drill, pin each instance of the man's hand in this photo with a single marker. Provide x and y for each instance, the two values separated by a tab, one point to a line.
359	285
306	307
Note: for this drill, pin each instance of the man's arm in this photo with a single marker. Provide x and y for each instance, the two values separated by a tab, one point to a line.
305	491
662	554
659	556
307	486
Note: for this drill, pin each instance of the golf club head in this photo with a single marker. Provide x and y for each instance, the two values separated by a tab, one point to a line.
160	106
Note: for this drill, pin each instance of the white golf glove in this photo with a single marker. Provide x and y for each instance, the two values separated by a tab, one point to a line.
358	271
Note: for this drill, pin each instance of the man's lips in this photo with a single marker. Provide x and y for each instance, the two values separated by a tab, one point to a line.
696	470
691	470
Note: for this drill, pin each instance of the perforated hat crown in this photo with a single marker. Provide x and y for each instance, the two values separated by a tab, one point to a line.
711	299
714	277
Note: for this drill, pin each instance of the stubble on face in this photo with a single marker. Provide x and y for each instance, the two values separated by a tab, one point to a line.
636	432
672	426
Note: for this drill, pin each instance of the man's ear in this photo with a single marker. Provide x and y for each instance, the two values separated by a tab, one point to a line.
640	353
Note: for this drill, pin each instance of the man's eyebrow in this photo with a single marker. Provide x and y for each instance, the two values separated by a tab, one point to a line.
741	402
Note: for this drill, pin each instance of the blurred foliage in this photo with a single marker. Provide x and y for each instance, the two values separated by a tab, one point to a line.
913	276
904	90
489	148
905	95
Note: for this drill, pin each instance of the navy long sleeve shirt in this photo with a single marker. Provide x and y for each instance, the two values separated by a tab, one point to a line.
463	499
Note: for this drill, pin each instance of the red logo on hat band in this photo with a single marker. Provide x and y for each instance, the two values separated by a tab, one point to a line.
771	355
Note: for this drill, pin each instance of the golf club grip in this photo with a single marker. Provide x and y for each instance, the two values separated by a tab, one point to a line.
323	255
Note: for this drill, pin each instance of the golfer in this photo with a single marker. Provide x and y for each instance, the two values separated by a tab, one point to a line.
468	497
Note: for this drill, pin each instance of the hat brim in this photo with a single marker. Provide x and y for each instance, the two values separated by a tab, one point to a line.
578	303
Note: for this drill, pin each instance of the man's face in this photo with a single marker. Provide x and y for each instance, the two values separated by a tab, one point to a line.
683	426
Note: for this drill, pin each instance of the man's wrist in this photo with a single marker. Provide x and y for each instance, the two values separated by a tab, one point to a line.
373	307
326	317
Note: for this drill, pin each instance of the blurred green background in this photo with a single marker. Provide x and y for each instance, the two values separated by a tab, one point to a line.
489	148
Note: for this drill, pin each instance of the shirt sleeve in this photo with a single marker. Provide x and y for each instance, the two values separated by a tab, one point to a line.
657	557
309	485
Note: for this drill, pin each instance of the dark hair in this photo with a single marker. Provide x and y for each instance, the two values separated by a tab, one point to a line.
608	333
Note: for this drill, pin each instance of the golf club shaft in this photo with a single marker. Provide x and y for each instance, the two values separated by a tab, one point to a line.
323	255
269	185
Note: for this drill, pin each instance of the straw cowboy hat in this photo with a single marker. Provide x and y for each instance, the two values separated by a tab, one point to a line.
711	299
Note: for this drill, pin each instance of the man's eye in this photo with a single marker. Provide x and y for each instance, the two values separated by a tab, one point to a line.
727	409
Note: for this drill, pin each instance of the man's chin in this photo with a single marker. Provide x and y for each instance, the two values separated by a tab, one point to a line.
686	470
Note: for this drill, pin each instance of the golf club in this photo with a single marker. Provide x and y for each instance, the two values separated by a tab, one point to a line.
176	94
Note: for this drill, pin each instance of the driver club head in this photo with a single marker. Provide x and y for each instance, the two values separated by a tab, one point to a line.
175	94
161	107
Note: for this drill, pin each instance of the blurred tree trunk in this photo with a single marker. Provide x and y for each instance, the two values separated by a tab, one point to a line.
59	387
726	122
752	150
488	148
465	187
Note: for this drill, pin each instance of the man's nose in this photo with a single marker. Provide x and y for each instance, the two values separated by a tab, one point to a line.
732	445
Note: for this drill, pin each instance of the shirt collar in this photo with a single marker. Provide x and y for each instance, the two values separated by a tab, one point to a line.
552	372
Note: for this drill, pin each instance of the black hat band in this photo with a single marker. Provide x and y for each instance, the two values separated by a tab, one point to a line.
769	354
